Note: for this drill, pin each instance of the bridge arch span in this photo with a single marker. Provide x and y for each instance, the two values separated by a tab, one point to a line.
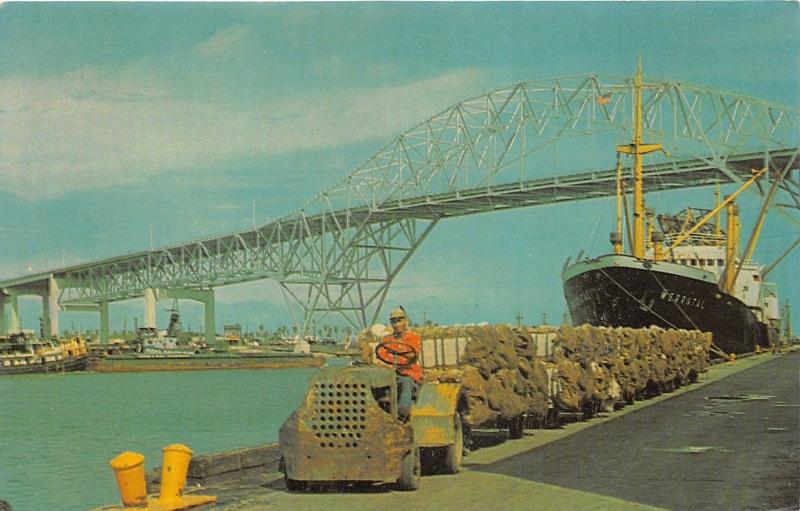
528	144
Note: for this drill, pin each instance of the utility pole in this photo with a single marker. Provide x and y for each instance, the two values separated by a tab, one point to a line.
544	318
519	318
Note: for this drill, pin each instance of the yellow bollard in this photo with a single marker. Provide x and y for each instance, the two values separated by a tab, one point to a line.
173	480
173	472
732	358
129	471
758	348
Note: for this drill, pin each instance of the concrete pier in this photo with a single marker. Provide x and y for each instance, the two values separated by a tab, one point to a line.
9	316
587	465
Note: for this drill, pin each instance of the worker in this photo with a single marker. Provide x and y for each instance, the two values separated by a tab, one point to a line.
403	351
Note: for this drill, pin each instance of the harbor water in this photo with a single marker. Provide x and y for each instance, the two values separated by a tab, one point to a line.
58	432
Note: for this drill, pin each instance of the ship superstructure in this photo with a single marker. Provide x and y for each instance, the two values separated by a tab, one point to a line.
706	249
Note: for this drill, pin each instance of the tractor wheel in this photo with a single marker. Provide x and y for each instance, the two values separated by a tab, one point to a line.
410	471
516	427
455	453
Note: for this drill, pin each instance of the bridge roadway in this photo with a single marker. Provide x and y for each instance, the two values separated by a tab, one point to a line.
729	442
341	251
281	250
544	191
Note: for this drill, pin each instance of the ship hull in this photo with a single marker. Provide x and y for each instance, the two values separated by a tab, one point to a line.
54	366
621	291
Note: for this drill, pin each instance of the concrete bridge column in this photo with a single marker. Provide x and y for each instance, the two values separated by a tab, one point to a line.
104	333
209	317
12	325
50	308
3	301
149	308
13	315
44	325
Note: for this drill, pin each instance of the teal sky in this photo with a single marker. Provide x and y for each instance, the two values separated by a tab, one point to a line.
122	119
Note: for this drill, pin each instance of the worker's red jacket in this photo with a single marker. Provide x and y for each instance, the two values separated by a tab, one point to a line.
414	371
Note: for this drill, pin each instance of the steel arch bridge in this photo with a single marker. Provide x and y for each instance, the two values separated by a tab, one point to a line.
529	144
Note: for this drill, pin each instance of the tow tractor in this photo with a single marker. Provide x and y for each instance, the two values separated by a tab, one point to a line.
347	428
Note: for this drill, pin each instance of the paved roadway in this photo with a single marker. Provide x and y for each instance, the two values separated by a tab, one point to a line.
731	445
725	444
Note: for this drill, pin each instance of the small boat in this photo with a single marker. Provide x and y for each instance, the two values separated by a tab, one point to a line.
150	343
21	354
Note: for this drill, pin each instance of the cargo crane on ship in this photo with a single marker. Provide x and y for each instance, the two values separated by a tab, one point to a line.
683	271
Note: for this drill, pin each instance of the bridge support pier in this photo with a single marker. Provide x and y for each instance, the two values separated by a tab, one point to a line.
12	326
149	308
104	330
6	327
13	316
44	320
50	308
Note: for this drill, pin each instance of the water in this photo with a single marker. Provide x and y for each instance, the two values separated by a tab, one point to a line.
58	432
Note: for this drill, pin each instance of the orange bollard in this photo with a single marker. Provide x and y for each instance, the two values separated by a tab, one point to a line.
173	472
173	480
129	471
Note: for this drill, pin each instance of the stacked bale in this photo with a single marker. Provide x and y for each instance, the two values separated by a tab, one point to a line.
499	369
507	372
600	366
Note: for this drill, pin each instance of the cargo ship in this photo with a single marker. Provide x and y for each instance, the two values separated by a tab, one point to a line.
683	271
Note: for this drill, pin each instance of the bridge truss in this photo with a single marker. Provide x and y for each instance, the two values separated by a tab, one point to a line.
530	144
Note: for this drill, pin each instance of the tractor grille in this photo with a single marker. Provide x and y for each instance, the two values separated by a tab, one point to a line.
339	415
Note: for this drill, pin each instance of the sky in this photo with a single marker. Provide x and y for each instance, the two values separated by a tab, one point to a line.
126	124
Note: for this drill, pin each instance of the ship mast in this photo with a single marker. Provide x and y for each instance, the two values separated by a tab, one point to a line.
717	229
616	237
638	149
731	249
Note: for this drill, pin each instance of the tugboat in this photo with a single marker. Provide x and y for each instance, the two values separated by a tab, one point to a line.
687	275
21	354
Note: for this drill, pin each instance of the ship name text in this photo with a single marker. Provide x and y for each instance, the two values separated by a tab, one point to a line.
681	299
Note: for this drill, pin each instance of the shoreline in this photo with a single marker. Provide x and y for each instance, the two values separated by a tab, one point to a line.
134	364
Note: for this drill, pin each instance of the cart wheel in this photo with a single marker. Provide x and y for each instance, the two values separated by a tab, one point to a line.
455	453
516	427
410	471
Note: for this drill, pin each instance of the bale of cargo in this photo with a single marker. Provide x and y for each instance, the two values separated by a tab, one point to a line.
510	371
599	365
498	367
